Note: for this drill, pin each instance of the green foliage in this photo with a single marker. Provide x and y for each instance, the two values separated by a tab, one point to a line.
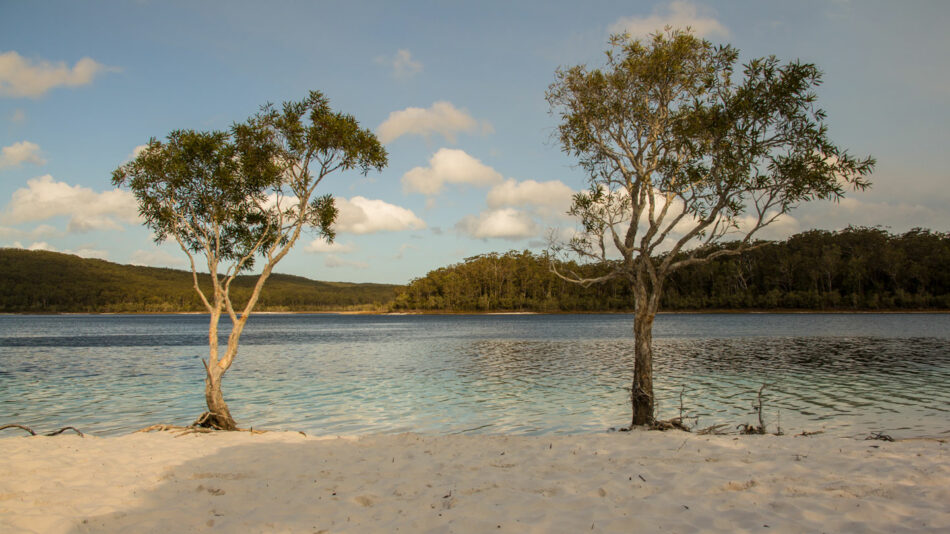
231	196
50	282
854	269
679	149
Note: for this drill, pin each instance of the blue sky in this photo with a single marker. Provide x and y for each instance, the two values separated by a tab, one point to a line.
456	92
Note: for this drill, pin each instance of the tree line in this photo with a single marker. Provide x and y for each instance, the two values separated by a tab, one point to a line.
51	282
853	269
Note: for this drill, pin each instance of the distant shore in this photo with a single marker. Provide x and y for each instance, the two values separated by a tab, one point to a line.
727	311
619	482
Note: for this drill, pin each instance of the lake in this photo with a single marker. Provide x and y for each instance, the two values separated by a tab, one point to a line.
325	374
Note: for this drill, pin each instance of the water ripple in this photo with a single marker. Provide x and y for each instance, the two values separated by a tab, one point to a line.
847	375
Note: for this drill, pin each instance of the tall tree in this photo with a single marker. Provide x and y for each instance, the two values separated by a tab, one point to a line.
681	151
231	198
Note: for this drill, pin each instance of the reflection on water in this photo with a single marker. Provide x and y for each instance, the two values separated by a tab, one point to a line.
326	374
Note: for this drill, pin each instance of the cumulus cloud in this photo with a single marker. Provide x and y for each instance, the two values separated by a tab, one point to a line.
135	152
359	215
404	66
441	118
44	198
157	258
41	231
678	14
321	245
18	153
334	262
21	77
505	223
896	214
449	166
84	251
549	199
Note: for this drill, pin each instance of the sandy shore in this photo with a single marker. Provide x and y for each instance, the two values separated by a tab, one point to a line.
636	482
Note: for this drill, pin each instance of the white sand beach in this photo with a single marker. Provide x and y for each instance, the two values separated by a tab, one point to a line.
619	482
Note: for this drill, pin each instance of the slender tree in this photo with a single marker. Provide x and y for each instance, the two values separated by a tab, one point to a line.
680	152
231	198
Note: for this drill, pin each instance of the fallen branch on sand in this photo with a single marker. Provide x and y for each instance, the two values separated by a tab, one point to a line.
879	436
53	433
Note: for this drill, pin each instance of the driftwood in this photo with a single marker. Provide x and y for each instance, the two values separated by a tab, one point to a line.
53	433
879	436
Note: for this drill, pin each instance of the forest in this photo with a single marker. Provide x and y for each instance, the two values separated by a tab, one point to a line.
857	268
853	269
50	282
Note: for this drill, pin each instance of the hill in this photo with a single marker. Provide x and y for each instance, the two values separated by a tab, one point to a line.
853	269
44	282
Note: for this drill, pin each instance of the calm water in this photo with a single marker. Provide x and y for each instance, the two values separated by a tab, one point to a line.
527	374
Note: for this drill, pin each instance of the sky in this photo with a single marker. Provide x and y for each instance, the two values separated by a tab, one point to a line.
455	90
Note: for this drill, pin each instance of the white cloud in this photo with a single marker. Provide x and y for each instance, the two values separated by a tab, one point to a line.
84	251
157	258
895	214
335	262
43	230
550	199
41	245
44	198
22	152
359	215
678	14
135	152
321	245
404	67
449	166
506	223
441	118
21	77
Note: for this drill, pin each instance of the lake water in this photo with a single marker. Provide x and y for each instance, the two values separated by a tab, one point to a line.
845	374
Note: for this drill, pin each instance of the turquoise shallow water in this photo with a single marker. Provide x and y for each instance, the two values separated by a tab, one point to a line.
846	374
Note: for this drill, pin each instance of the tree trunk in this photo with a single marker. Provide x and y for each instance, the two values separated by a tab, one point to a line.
641	393
218	414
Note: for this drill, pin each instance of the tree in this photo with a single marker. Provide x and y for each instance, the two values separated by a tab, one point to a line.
233	197
680	151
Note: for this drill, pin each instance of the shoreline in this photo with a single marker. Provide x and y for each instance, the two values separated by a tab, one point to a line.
516	312
605	482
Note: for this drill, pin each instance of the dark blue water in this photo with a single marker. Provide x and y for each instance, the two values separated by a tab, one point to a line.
846	374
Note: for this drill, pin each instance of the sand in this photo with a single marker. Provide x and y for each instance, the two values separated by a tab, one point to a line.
617	482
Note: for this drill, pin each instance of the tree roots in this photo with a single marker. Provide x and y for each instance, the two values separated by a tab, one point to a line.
204	424
53	433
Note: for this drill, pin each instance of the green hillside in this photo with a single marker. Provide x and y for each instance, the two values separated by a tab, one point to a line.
40	281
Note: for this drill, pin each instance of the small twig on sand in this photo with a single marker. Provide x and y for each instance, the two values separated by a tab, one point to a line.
807	433
714	430
28	429
53	433
64	429
879	436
